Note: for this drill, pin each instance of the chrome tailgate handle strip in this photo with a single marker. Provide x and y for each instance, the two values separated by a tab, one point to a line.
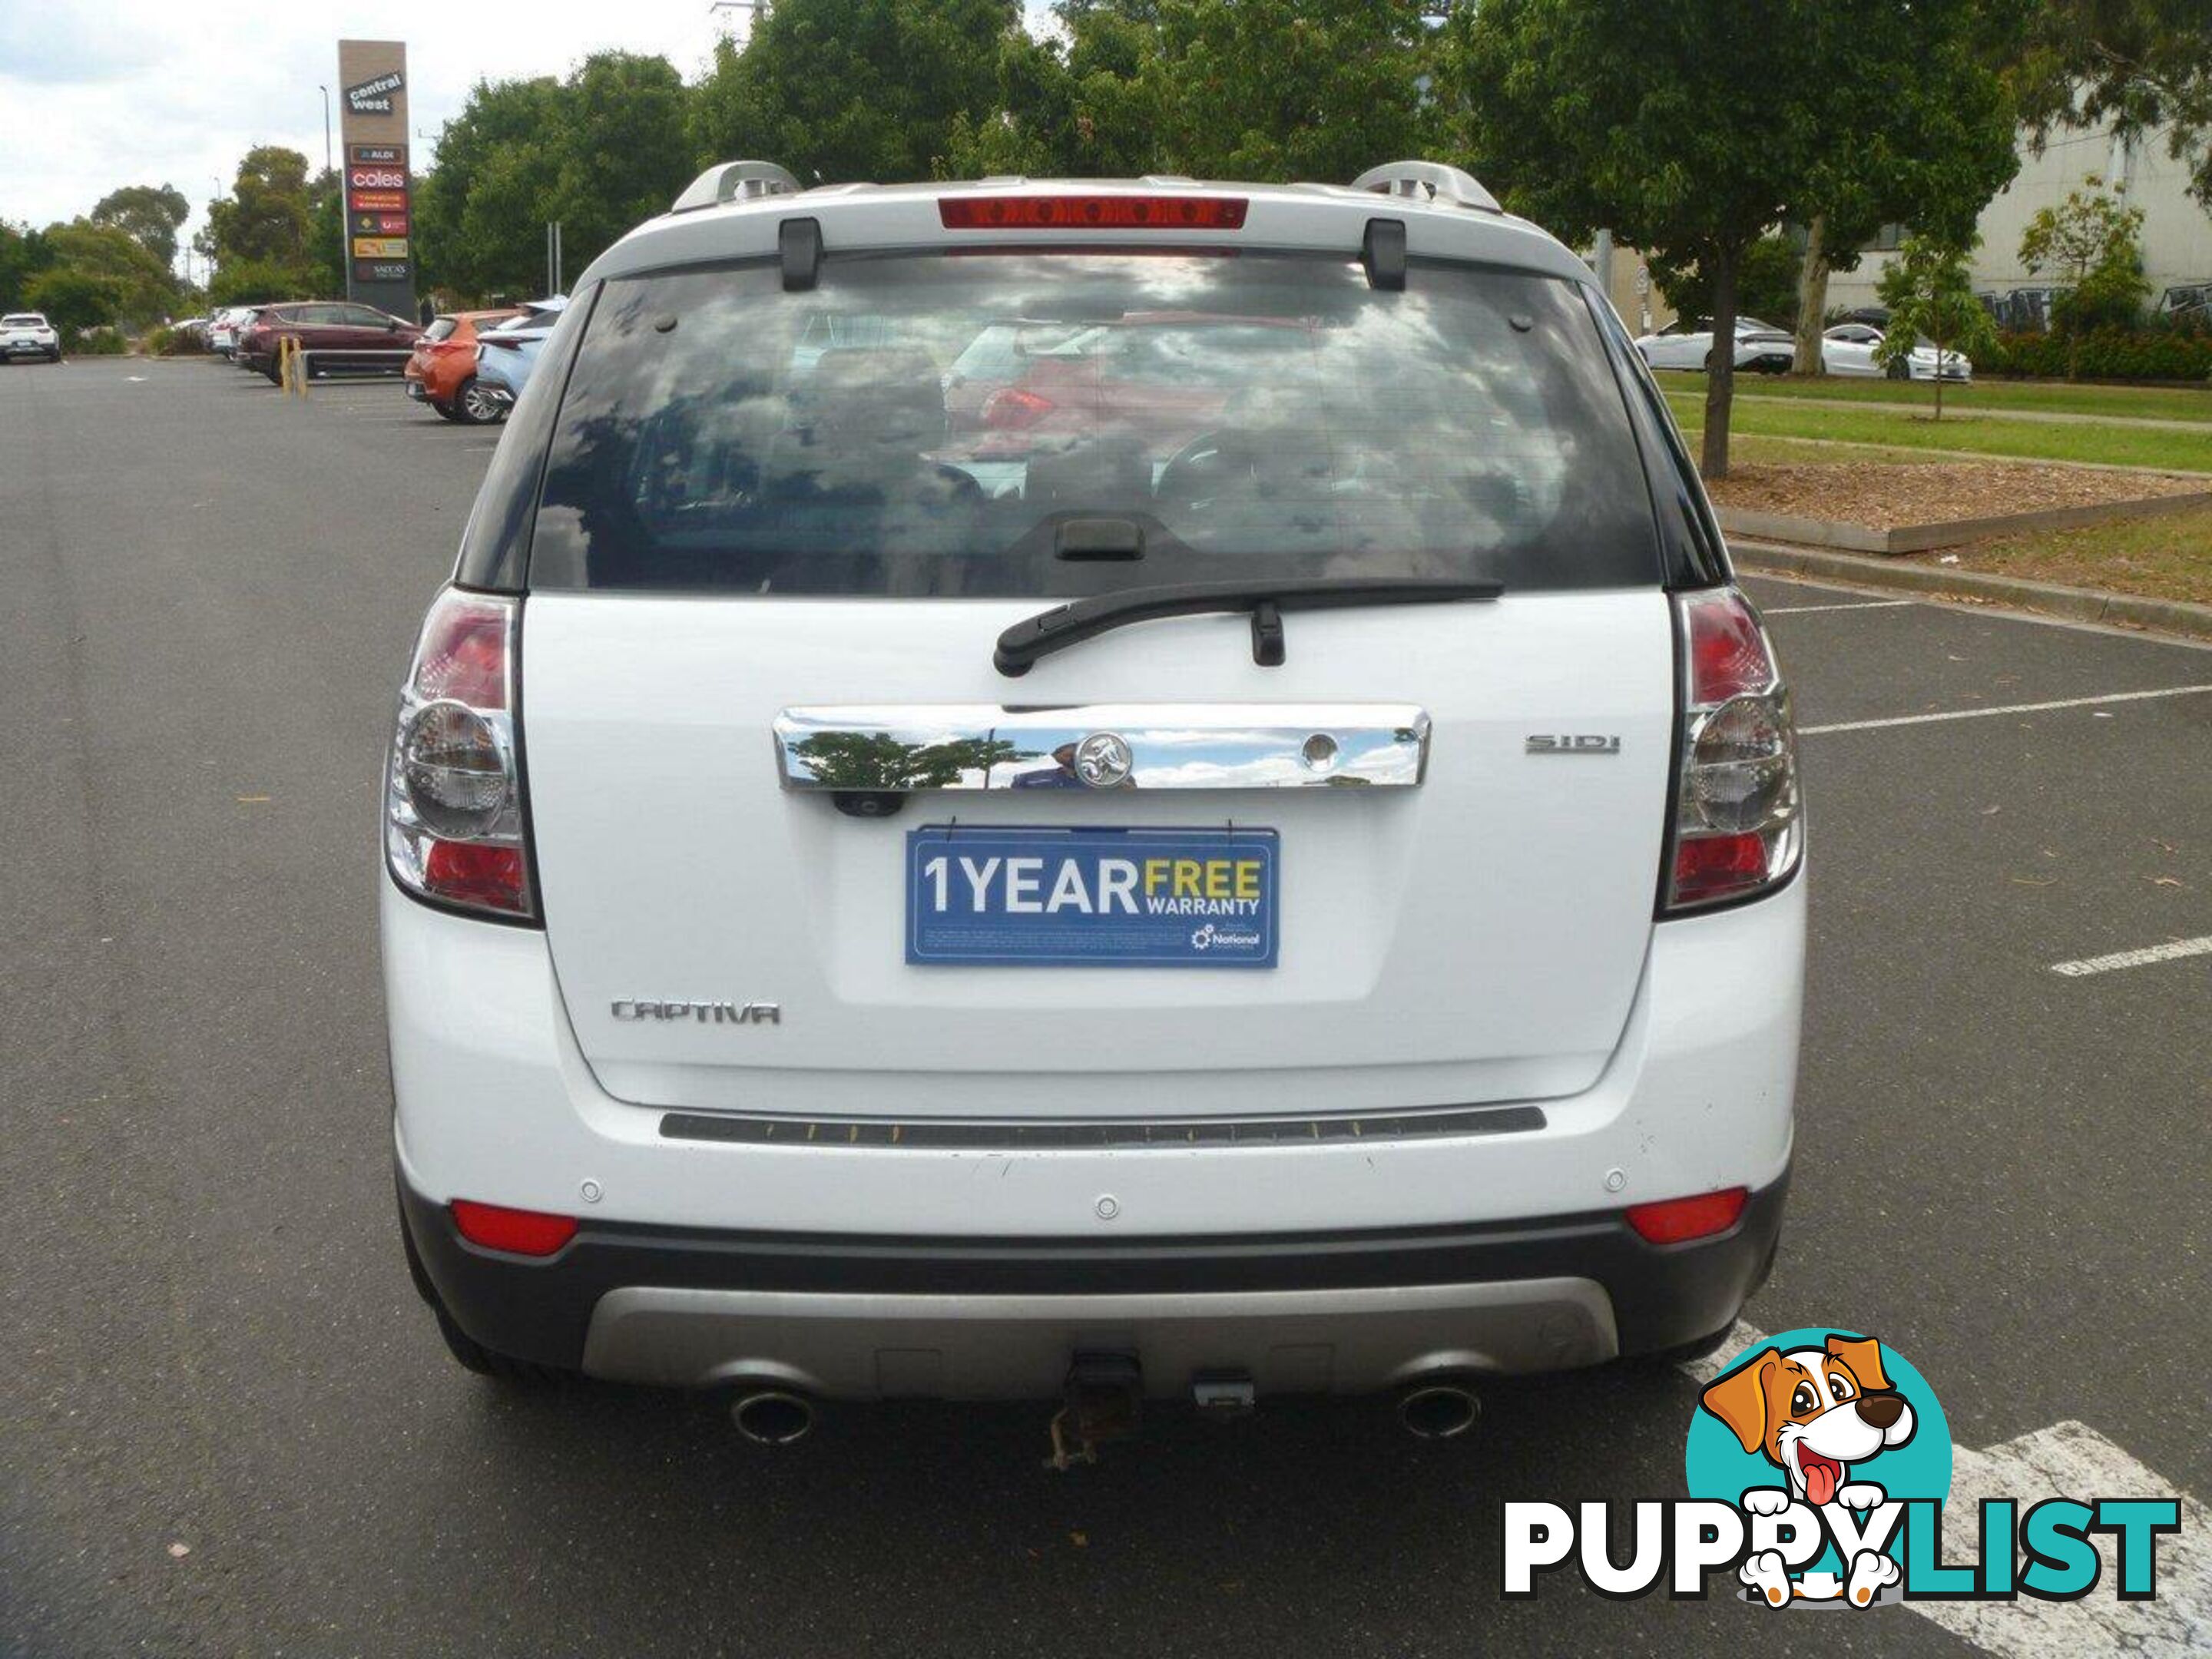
975	746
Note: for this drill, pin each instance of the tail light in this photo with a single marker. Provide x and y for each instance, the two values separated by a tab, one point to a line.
454	826
1739	822
1011	409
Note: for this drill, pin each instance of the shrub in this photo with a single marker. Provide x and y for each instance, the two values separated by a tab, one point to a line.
2105	353
175	342
101	342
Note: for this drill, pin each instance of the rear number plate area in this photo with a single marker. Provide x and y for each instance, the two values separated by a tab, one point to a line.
1090	898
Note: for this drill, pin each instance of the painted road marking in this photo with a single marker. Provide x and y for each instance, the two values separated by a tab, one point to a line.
1808	610
2171	951
2009	708
2067	1460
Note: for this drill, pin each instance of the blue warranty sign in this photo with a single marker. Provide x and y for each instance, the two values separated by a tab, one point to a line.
1092	898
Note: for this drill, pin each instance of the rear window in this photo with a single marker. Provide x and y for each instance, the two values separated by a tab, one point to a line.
925	424
441	328
22	319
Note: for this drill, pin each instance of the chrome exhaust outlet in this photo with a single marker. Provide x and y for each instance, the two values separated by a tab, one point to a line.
772	1417
1441	1408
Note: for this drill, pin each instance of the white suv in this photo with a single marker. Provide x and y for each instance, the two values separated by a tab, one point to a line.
1257	853
28	334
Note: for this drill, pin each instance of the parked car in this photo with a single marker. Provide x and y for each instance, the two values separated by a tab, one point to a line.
1391	987
338	335
28	334
226	325
506	354
442	370
1849	349
1688	342
1872	316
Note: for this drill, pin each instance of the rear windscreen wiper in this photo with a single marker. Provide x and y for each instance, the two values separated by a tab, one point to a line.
1048	631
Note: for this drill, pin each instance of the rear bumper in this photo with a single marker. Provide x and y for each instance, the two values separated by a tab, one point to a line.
866	1316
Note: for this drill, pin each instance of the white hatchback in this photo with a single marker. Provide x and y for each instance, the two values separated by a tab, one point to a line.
1105	787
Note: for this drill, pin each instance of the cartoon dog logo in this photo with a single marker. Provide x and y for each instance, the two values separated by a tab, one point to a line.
1814	1413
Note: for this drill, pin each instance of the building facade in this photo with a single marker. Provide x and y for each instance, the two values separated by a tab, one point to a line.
2177	232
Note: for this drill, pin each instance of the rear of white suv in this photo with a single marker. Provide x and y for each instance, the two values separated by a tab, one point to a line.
28	334
1258	851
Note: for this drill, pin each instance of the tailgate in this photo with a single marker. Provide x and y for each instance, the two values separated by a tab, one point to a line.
1476	935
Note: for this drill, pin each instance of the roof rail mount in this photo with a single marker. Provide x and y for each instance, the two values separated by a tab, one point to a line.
1428	181
735	181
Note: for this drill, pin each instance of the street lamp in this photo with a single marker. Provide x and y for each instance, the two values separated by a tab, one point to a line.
330	171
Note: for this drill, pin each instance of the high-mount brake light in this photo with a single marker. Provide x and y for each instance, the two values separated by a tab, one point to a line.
1738	826
455	828
1092	212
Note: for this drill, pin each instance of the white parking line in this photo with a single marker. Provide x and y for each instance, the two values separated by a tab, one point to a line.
2067	1460
2171	951
1808	610
2007	708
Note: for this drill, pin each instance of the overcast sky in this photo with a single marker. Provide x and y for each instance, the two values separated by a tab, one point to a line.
102	93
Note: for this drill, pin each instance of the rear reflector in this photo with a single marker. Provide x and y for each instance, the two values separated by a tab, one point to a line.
1677	1220
517	1232
1092	212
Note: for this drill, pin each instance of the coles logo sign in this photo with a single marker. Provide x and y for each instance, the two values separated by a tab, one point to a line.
375	178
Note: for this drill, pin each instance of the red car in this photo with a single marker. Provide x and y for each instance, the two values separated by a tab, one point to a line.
335	334
1020	389
442	370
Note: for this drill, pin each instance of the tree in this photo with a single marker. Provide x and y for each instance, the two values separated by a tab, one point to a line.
1950	146
23	254
844	90
267	222
74	301
497	146
2091	245
1081	104
150	214
1766	287
2144	65
1681	125
144	288
1287	89
1929	290
606	147
624	150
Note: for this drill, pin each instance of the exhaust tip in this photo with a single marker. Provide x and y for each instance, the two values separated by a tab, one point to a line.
770	1417
1438	1410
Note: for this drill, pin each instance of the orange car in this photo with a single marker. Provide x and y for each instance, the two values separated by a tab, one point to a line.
442	371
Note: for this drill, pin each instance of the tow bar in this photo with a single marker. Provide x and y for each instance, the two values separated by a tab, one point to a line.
1102	1398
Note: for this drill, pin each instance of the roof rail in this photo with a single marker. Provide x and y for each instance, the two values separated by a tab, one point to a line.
1428	181
735	181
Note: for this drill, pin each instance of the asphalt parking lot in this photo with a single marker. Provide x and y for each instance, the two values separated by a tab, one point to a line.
227	1425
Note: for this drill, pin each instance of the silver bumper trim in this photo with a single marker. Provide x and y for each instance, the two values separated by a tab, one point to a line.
868	1346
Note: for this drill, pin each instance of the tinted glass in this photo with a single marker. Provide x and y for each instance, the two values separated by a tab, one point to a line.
923	424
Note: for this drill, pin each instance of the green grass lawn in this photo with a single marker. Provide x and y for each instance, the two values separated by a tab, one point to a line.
2176	403
2168	557
2025	441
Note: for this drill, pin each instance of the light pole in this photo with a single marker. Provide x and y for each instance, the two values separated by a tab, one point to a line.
330	172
